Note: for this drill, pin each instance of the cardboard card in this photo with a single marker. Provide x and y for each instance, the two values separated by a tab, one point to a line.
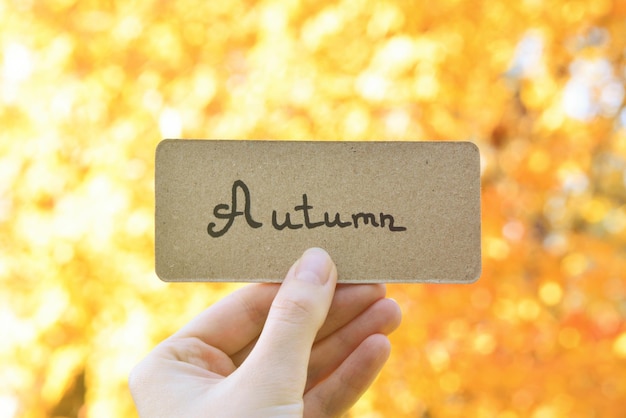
384	211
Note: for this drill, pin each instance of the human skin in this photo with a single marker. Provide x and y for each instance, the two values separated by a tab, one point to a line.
303	348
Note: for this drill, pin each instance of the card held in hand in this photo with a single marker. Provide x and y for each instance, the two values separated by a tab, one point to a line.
385	211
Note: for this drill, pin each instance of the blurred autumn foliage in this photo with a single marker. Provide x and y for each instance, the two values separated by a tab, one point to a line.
88	89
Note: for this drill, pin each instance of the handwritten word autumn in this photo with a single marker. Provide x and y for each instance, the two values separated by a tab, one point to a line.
301	218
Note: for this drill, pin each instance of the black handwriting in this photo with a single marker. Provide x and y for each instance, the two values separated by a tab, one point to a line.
224	211
233	211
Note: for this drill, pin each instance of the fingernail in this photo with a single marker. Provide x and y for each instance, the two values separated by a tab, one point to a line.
314	266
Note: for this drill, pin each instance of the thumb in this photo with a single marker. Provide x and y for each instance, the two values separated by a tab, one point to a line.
281	355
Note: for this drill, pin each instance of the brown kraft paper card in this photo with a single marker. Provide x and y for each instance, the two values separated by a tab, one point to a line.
384	211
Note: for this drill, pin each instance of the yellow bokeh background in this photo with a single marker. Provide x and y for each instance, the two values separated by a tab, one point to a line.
89	88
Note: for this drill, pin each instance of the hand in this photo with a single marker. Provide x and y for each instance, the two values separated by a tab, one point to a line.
304	348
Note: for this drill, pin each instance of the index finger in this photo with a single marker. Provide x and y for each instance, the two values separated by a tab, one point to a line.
233	322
